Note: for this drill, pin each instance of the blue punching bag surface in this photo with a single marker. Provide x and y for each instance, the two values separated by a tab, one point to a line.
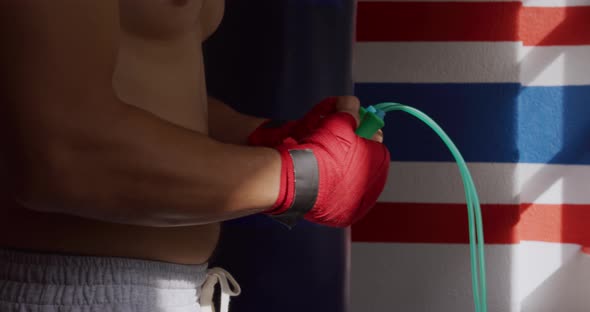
276	59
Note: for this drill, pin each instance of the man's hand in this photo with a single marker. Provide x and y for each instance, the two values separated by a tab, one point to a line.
272	133
351	105
330	175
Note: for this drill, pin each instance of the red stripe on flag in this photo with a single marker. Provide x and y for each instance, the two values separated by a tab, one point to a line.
445	21
447	223
473	21
555	26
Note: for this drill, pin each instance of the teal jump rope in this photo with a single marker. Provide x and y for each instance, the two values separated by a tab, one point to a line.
372	119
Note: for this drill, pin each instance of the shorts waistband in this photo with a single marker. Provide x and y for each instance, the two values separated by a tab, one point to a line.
56	279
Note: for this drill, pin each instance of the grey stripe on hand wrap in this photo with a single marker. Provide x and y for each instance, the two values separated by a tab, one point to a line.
306	169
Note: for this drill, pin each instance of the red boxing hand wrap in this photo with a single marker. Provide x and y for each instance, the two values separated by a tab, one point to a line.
272	133
332	176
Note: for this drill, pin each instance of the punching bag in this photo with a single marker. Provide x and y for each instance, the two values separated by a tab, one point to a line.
276	59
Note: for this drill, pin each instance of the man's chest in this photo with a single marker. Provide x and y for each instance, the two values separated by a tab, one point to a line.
165	19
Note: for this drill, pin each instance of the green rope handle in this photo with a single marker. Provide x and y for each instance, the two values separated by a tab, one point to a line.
476	239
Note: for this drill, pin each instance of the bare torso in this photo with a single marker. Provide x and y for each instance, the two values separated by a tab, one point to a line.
159	69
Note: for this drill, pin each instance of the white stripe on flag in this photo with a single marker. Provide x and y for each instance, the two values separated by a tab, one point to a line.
497	183
437	277
471	62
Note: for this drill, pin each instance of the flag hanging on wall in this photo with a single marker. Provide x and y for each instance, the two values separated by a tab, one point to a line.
510	83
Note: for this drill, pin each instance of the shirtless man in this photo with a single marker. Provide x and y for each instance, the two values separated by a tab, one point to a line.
117	168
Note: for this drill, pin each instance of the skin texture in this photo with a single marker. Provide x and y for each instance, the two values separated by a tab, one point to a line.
112	147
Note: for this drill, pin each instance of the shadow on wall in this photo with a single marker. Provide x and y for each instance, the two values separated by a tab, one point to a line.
566	288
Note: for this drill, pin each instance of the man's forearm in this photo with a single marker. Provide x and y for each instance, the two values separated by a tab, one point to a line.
143	170
229	126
